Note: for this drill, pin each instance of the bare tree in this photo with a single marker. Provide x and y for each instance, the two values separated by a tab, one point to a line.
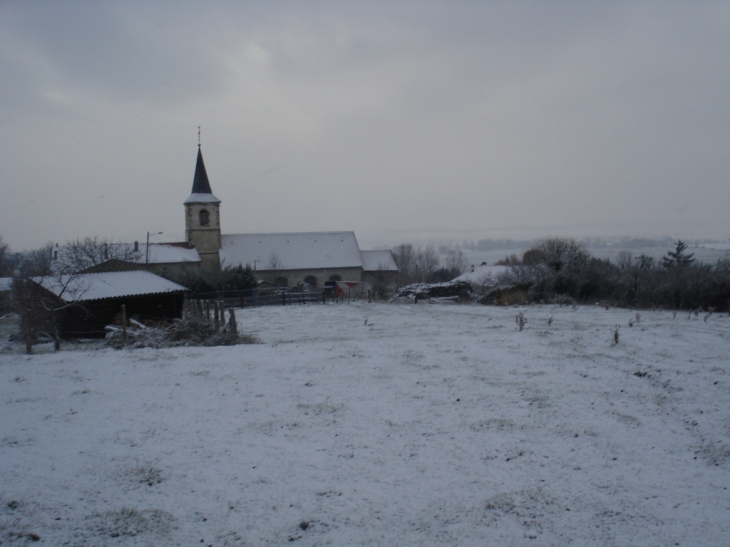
405	258
42	289
25	294
634	276
456	262
381	284
415	265
5	267
427	262
82	254
275	266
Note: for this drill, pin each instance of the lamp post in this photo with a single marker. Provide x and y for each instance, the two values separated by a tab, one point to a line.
147	247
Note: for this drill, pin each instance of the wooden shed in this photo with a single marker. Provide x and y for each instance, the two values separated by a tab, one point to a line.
87	303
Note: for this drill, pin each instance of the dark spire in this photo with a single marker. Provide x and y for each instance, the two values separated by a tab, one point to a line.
200	182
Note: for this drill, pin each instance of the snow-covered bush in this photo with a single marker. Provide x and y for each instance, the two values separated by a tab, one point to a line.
459	291
190	331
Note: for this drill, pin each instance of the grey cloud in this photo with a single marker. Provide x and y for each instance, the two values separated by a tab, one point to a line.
119	51
441	117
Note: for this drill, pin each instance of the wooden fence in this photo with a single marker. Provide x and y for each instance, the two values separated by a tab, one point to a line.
253	298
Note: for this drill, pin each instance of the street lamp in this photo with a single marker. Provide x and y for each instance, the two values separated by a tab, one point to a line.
147	248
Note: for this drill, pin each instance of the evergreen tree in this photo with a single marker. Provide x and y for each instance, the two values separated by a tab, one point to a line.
678	258
238	278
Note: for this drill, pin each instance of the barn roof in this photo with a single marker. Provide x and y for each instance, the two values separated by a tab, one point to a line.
100	286
374	261
295	251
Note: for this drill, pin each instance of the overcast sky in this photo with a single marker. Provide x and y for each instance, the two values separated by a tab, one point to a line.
402	121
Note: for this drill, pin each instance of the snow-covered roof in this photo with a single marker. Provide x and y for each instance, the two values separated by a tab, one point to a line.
160	253
166	254
295	251
98	286
482	272
374	261
5	283
202	198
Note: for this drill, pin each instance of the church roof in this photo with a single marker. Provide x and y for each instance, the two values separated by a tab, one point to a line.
200	182
294	251
201	192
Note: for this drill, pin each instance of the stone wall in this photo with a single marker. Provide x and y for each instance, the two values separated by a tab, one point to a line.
295	277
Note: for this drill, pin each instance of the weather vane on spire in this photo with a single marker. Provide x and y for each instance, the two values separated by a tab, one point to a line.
198	136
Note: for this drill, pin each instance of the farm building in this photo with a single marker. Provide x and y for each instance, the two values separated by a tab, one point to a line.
379	266
87	303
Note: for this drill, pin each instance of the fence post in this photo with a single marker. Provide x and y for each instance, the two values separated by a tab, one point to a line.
215	315
232	319
124	324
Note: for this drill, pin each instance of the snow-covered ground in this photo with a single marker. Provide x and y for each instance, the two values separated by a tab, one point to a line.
378	425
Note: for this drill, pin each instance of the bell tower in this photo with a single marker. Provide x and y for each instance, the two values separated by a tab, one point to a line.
202	221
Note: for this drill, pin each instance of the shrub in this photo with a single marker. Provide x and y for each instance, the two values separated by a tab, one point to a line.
194	330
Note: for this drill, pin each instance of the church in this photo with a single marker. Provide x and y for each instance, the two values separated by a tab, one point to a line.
282	259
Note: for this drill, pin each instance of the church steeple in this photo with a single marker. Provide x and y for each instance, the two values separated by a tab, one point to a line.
202	221
200	181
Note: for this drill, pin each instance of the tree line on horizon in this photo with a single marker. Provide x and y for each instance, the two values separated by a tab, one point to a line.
550	269
558	267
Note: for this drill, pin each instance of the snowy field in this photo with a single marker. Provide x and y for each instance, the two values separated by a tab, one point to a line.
424	425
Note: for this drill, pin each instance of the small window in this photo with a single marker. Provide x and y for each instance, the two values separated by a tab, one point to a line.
335	277
311	280
204	217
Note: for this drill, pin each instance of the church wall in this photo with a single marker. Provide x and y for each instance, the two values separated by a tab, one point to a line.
177	270
295	277
204	238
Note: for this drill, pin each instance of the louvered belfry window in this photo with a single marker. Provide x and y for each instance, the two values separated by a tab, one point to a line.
204	217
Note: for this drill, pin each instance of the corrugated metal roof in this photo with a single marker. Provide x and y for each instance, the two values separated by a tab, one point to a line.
295	251
99	286
374	261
